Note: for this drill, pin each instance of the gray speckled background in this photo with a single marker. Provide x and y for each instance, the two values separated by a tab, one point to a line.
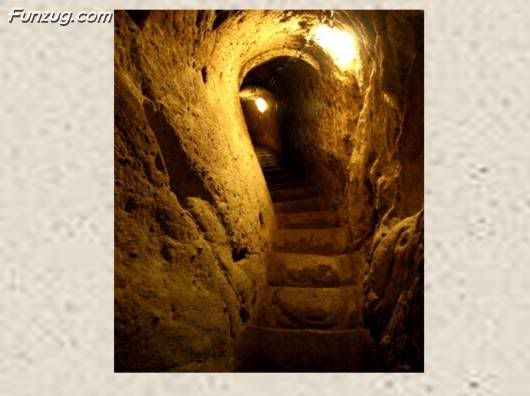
56	210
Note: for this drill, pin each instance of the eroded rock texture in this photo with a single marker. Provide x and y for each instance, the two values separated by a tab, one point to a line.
394	301
385	187
195	220
192	210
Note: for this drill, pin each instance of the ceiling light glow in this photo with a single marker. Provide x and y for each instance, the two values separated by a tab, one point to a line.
340	45
261	104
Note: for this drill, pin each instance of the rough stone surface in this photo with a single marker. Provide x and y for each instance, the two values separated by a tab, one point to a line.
385	186
295	269
386	166
194	217
312	240
306	292
264	349
394	303
316	219
310	307
362	140
190	238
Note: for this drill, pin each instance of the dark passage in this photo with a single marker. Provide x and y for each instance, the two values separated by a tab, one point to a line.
279	172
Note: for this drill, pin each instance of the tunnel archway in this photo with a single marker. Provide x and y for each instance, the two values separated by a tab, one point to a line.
254	273
282	76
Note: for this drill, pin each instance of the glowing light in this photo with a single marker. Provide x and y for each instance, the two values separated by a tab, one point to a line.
261	104
340	45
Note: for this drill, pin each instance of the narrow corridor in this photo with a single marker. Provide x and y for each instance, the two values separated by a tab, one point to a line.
309	316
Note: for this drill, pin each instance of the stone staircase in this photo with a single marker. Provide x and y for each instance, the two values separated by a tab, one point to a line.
309	316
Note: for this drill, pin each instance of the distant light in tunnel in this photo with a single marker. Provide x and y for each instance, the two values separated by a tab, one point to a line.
261	104
340	45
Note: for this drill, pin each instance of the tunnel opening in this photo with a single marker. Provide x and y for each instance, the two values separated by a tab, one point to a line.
272	112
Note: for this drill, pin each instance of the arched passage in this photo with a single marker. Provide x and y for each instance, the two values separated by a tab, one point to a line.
213	265
282	76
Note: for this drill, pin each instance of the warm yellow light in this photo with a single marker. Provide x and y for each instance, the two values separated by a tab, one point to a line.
340	45
261	104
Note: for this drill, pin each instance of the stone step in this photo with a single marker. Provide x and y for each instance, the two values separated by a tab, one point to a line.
261	349
273	168
262	149
284	178
311	240
292	193
312	270
310	307
275	185
267	157
298	205
269	163
313	219
279	171
263	158
276	170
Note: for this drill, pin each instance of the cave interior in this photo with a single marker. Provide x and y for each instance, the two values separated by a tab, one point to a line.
269	191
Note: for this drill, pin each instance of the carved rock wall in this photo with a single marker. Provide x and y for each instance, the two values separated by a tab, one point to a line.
193	215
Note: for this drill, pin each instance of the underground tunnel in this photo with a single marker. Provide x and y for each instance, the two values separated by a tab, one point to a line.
269	191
